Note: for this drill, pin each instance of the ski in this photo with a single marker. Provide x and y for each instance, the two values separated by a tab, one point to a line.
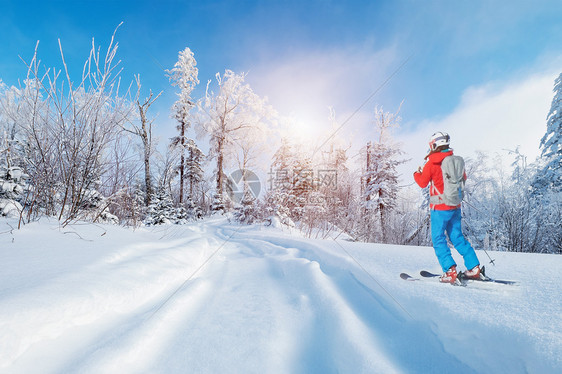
458	282
427	274
407	277
485	278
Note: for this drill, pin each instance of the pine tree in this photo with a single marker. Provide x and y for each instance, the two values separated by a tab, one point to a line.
193	166
279	195
284	156
192	211
161	209
184	75
547	184
303	185
246	211
218	204
551	145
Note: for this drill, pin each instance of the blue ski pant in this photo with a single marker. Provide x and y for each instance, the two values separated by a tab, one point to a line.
449	222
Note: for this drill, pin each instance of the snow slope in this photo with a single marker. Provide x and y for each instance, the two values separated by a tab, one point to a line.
214	297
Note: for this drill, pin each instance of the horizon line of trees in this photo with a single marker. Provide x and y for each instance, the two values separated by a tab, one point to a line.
84	150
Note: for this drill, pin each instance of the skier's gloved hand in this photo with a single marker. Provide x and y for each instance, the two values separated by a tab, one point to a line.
419	170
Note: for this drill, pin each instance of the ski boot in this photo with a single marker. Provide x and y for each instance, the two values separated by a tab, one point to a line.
474	273
450	276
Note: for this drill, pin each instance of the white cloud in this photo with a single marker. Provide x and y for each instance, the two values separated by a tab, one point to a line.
304	85
490	118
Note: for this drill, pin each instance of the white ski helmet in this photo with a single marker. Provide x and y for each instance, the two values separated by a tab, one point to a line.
439	139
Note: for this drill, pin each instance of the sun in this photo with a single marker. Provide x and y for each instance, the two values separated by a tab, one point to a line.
307	128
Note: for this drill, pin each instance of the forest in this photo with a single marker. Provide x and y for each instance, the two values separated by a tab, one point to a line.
83	149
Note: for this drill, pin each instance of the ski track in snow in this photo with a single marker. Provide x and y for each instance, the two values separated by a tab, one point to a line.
267	301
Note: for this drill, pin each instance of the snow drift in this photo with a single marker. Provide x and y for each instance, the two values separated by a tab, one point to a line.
216	297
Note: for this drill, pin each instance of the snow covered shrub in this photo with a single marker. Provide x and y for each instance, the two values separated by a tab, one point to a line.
246	211
12	183
276	208
10	208
66	134
161	209
128	205
192	211
12	188
218	205
94	207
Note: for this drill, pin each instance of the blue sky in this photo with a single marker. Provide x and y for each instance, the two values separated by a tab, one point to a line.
313	54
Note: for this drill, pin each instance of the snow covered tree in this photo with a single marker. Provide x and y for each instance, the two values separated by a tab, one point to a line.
518	217
190	207
250	145
231	113
503	212
335	180
283	158
291	180
481	207
193	167
12	178
279	194
143	130
551	145
24	117
184	76
246	211
161	209
380	176
64	130
128	204
12	188
68	129
303	185
547	184
301	192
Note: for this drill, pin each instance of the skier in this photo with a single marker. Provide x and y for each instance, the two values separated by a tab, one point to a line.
445	219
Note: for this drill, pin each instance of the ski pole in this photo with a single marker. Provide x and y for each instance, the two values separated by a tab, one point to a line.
484	249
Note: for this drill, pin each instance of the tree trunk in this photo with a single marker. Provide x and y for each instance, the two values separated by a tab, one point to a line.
383	218
219	167
191	161
146	143
182	162
147	180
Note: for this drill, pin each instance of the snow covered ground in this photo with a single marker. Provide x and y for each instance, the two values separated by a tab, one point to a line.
214	297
